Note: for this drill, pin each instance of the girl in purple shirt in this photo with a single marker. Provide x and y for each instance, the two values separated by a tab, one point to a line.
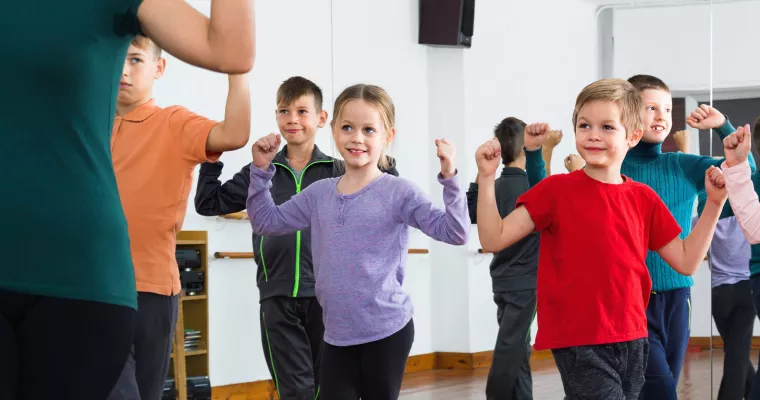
360	230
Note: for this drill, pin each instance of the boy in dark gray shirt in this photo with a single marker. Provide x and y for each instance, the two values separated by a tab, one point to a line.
513	272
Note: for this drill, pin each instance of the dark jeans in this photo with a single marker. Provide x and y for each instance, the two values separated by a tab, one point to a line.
370	371
669	324
509	377
144	374
53	348
612	371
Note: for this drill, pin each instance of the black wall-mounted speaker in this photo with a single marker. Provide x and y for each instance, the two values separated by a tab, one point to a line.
447	23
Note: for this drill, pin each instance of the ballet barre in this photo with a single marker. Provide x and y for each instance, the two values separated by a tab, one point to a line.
220	255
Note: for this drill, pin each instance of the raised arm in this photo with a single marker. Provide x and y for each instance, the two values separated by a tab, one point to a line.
267	218
496	234
742	191
225	42
685	256
536	135
693	166
235	131
450	226
213	197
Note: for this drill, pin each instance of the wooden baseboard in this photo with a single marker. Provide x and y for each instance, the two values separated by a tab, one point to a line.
703	343
265	390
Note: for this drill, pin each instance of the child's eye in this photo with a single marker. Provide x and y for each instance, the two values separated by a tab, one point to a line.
135	60
583	126
303	112
369	131
346	128
609	127
283	111
650	108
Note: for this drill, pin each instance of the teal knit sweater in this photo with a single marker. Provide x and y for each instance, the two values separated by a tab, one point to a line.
677	177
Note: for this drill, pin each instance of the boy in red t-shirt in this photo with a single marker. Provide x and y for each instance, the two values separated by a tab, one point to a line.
596	226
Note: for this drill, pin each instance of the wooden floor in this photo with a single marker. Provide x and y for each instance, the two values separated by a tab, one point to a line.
694	384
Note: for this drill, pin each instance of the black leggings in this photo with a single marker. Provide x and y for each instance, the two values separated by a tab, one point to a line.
53	348
370	371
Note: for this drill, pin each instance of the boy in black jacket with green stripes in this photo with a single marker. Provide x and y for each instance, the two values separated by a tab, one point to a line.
291	318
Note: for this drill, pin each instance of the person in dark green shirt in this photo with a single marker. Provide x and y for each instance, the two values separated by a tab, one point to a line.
67	288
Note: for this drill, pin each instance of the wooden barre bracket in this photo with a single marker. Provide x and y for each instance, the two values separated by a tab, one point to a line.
249	254
238	215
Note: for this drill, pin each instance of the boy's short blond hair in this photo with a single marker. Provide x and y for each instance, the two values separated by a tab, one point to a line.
147	44
615	91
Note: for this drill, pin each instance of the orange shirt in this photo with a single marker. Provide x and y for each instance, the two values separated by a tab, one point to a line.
154	153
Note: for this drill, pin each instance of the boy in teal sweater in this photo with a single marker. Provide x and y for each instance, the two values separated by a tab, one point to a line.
677	178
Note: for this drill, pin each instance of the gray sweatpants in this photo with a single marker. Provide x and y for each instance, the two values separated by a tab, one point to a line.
612	371
147	366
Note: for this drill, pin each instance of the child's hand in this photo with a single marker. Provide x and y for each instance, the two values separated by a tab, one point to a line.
715	186
574	162
705	117
555	136
447	155
737	146
536	135
264	150
682	141
488	158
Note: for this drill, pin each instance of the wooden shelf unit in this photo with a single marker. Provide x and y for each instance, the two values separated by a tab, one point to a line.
192	314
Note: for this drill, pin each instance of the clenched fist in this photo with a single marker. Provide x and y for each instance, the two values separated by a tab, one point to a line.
737	146
488	158
447	154
536	135
264	150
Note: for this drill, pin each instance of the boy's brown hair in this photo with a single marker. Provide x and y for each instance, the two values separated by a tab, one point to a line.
147	44
644	82
295	87
617	91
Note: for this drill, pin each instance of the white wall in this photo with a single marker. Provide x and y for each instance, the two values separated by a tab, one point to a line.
679	52
524	62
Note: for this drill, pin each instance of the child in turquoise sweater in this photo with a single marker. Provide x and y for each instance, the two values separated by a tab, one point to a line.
677	178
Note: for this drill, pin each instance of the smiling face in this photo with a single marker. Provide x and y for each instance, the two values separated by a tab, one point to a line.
658	116
361	134
601	137
299	121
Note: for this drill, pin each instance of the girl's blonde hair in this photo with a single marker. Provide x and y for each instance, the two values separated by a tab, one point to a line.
376	97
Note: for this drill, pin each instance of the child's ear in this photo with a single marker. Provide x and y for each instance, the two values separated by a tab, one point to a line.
323	118
635	137
391	135
160	68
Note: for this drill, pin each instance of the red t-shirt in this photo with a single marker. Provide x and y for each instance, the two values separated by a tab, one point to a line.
593	283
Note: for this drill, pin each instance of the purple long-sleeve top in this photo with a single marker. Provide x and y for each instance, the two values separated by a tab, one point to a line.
359	245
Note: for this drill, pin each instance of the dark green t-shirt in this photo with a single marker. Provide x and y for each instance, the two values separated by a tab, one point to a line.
63	229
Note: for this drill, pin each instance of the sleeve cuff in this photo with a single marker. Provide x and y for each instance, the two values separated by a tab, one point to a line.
473	187
725	129
731	173
212	168
454	178
256	172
